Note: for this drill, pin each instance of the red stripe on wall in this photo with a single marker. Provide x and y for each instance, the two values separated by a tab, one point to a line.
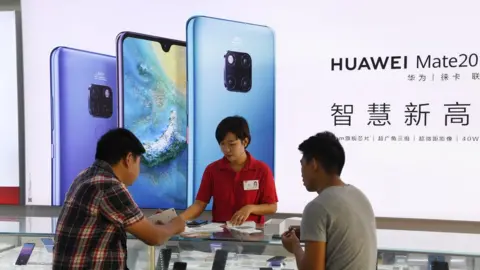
10	195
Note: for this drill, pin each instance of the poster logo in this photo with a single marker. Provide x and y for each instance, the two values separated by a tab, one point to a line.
369	63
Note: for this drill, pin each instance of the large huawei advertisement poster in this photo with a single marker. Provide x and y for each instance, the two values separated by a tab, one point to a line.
397	84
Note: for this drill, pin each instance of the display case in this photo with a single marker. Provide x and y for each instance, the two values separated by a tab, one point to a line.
245	251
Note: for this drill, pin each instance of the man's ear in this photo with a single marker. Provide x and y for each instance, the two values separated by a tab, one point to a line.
314	164
129	158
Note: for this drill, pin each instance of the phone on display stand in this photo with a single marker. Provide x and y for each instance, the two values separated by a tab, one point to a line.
25	254
153	105
83	105
180	266
164	259
220	259
48	244
47	241
437	265
231	71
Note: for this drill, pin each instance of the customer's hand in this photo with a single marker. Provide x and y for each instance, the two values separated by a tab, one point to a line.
290	241
241	215
178	225
158	222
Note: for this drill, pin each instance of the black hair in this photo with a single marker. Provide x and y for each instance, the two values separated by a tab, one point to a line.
236	125
326	149
116	144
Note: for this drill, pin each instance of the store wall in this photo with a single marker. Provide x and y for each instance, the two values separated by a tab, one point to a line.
11	110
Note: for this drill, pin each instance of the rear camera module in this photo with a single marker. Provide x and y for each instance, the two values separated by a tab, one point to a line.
238	71
100	102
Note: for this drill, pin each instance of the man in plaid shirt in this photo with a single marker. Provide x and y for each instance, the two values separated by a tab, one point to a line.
99	210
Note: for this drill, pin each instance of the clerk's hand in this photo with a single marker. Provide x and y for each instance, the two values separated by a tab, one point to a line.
241	215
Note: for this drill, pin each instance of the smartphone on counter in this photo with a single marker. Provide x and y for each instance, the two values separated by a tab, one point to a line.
231	71
83	108
277	258
25	254
153	105
196	223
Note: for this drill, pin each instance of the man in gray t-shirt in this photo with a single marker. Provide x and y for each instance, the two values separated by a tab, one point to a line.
338	226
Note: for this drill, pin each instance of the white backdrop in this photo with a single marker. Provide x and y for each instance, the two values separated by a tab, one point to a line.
9	155
434	178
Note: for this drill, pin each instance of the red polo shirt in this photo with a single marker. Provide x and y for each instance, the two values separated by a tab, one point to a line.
226	187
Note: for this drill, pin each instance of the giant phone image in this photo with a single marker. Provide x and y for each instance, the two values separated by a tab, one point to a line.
153	105
231	71
83	108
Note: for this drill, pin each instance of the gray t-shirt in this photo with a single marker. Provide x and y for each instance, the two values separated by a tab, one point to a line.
342	217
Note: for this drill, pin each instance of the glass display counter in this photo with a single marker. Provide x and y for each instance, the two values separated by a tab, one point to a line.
245	251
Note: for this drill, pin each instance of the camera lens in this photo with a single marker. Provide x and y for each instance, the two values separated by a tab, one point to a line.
230	59
246	60
230	82
107	93
166	47
246	83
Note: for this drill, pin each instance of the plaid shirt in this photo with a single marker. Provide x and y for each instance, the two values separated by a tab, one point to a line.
91	228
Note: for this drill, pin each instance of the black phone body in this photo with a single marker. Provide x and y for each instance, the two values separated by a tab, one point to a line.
197	222
164	259
276	259
180	266
220	260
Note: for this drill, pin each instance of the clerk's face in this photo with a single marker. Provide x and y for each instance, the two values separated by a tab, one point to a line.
232	147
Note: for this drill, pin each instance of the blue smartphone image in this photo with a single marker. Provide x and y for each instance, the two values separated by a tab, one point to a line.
83	107
231	71
153	105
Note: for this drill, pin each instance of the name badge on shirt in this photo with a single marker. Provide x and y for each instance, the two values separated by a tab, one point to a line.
250	185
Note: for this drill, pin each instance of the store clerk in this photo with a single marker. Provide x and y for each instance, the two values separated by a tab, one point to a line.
242	187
